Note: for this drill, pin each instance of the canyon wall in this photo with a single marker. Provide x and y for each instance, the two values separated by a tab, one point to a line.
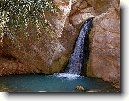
50	54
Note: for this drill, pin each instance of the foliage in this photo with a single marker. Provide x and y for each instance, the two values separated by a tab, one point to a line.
17	14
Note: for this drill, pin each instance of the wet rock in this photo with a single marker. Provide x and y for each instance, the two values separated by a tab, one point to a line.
80	88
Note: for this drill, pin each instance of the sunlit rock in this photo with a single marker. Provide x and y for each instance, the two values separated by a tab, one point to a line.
81	16
104	59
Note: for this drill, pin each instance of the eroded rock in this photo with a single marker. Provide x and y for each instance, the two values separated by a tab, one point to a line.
46	52
11	66
104	59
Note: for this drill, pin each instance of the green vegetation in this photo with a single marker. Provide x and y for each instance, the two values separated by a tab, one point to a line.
18	14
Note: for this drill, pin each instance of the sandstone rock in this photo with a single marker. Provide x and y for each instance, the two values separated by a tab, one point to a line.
11	66
58	19
1	50
47	53
1	47
81	16
104	59
100	6
78	5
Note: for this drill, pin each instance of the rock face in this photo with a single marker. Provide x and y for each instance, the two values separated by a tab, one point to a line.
1	49
104	59
11	66
50	53
46	53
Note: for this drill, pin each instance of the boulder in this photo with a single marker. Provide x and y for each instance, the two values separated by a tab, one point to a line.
104	60
47	53
80	88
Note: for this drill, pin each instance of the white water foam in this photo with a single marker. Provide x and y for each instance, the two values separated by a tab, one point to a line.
67	75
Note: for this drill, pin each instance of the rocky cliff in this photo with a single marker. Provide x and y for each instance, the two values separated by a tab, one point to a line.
104	59
50	53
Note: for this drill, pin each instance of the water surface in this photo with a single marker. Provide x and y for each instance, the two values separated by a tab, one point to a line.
61	82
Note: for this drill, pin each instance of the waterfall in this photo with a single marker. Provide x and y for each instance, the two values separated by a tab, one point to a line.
77	57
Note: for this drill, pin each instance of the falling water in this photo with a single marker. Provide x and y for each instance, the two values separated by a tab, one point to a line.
77	57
